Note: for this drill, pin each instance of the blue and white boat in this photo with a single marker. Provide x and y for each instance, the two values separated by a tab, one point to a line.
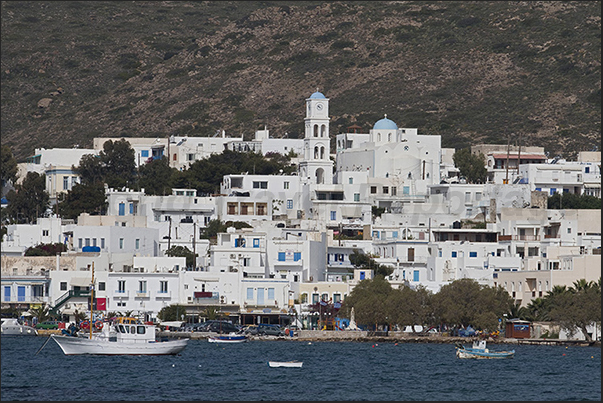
480	351
228	338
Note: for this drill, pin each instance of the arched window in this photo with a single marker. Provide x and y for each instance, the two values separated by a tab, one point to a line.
323	131
315	130
316	152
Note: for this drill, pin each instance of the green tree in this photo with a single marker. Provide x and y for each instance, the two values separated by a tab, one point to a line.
408	307
119	165
29	200
364	261
183	251
47	249
83	198
571	201
172	313
471	166
90	169
156	177
577	307
465	302
369	300
8	167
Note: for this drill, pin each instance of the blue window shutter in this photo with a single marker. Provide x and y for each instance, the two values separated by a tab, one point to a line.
281	256
415	275
122	209
297	256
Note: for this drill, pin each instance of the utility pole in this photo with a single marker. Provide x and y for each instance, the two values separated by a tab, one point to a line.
519	153
507	164
169	231
194	242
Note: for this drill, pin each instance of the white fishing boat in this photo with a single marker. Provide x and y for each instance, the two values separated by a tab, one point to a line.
14	327
288	364
480	351
120	339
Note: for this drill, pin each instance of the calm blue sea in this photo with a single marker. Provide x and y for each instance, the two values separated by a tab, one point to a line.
331	371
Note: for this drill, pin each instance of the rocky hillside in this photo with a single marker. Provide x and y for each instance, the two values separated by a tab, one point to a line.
470	71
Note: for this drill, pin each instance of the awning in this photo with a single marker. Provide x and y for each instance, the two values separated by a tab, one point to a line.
81	282
351	211
592	185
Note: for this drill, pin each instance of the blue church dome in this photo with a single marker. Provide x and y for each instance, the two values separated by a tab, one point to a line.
317	95
385	124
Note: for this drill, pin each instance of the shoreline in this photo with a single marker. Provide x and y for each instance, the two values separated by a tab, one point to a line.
391	337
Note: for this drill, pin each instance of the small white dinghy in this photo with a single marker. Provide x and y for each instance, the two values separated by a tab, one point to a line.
290	364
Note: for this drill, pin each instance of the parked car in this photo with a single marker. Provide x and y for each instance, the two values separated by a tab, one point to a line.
265	329
49	324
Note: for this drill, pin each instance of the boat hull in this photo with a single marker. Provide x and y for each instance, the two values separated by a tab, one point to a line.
486	355
81	346
19	331
241	339
286	364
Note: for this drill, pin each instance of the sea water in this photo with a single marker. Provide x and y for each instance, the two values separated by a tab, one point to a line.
331	371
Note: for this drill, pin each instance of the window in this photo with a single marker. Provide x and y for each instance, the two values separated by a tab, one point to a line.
373	189
260	185
103	243
65	182
240	243
333	215
270	294
385	190
190	157
101	286
132	208
44	232
472	254
7	293
569	230
394	191
121	243
144	153
93	241
453	253
256	242
79	243
142	286
121	286
289	204
314	298
296	256
163	287
249	293
467	197
285	185
21	293
415	275
351	181
63	286
356	197
395	234
336	298
87	241
281	256
137	243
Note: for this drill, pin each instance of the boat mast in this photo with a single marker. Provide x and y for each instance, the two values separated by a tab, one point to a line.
91	299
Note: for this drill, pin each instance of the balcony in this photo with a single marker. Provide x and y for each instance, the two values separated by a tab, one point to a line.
142	294
121	294
164	294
